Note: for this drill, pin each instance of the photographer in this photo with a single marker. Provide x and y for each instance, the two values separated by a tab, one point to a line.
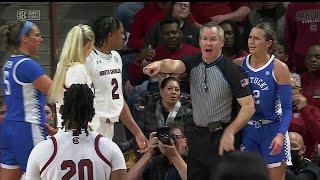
169	164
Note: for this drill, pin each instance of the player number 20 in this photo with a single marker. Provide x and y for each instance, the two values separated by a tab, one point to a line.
73	169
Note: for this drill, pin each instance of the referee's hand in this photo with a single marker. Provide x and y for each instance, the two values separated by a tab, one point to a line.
226	142
152	69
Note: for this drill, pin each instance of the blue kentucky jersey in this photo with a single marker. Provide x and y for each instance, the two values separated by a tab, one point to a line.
265	90
24	102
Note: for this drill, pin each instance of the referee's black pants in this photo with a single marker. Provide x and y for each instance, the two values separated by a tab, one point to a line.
203	156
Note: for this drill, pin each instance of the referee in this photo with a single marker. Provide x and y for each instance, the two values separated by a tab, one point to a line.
217	86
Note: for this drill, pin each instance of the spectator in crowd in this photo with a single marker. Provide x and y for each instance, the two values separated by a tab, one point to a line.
50	120
301	31
304	114
71	66
242	165
167	109
204	12
311	80
215	83
68	154
104	65
273	12
302	168
190	32
232	47
48	109
145	19
126	13
169	164
266	132
281	51
24	88
172	47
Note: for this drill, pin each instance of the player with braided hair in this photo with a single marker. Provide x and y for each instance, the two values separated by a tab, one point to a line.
105	67
95	157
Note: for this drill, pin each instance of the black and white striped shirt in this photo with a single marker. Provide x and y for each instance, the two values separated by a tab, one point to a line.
214	89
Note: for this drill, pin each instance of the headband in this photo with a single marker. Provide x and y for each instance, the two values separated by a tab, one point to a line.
26	28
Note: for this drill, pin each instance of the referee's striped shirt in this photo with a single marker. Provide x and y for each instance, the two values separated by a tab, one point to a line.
214	88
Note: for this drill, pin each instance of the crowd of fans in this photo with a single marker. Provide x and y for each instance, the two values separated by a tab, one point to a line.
171	30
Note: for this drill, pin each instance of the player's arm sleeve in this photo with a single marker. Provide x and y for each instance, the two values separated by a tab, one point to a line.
286	106
28	71
75	76
117	159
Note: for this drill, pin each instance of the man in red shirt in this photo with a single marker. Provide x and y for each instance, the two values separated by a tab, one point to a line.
311	79
172	47
302	29
204	12
145	19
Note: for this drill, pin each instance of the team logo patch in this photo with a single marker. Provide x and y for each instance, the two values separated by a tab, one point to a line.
244	82
75	140
267	73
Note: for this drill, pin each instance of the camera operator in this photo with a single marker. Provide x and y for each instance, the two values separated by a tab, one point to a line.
170	163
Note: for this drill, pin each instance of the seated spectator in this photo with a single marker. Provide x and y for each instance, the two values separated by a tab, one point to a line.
50	120
301	31
172	47
302	114
311	79
273	12
281	51
169	164
302	168
66	155
190	32
167	109
204	12
242	165
145	19
232	47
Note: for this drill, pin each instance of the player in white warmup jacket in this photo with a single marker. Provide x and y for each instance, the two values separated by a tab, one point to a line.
105	66
77	153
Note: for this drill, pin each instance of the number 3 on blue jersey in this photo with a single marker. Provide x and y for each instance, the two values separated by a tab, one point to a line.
7	90
256	95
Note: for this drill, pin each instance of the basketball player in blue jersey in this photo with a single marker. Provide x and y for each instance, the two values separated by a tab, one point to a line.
24	88
269	79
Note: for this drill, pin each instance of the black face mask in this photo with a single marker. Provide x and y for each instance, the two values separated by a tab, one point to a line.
295	156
